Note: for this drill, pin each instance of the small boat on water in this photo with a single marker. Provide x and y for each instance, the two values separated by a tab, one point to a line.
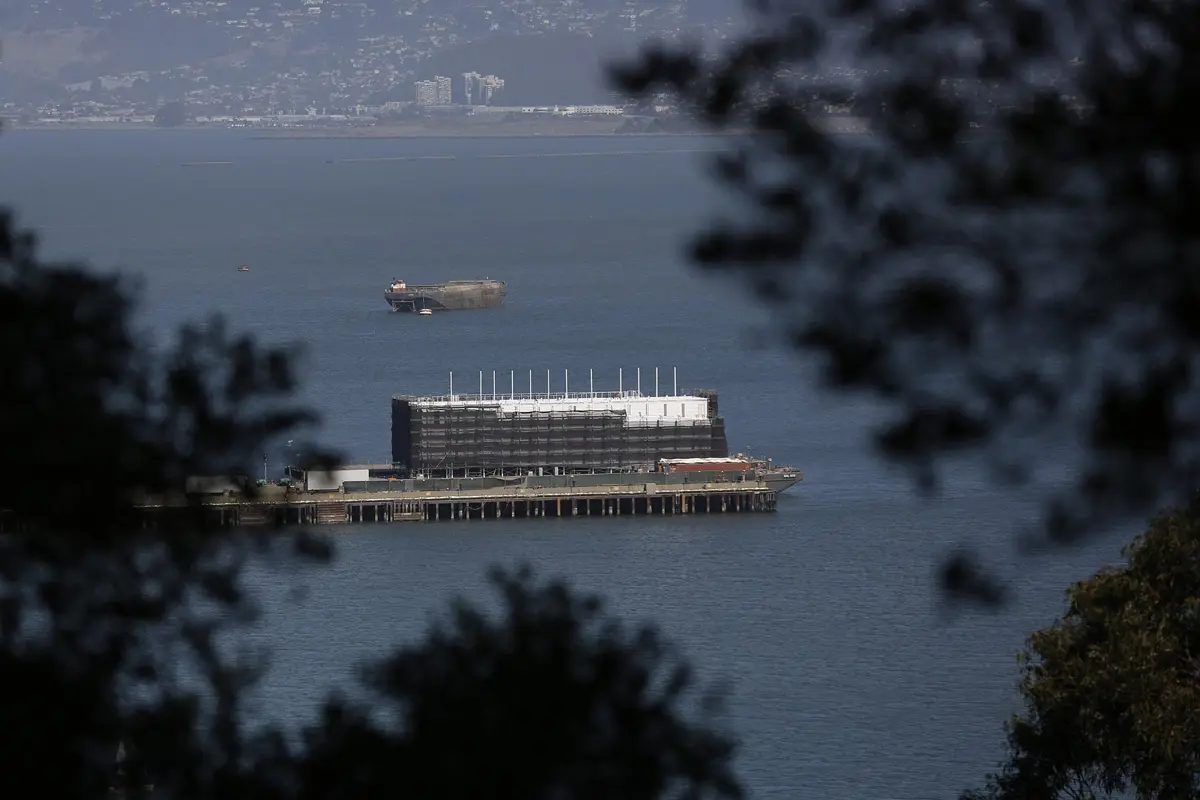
426	312
243	268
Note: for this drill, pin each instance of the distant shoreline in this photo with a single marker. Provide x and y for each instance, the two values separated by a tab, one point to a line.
482	135
375	132
498	130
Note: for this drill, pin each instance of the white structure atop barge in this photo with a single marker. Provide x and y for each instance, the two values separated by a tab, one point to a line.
636	408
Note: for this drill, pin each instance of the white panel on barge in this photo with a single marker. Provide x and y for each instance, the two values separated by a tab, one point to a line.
637	408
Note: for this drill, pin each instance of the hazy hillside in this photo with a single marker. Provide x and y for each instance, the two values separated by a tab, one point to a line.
252	54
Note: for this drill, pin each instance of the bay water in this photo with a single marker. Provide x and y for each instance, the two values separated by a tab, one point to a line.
848	680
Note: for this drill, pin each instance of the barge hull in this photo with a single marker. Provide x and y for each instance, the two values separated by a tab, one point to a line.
449	296
354	507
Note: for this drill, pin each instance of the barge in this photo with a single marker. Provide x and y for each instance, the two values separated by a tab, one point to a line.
448	296
504	455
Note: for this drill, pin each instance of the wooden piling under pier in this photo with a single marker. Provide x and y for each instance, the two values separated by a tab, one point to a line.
334	508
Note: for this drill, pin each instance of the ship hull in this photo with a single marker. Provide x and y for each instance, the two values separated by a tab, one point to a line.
635	482
450	296
780	484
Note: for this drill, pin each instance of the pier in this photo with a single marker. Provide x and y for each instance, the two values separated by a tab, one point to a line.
290	507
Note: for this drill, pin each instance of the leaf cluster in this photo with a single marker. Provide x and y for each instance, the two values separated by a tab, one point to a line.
1111	692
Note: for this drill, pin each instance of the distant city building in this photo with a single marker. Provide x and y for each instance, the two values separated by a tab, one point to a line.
490	85
436	92
589	111
574	111
426	93
478	89
468	88
445	90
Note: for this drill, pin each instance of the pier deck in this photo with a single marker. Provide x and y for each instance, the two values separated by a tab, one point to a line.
279	506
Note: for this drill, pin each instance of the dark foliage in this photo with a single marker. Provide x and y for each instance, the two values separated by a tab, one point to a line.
95	610
1009	258
1111	699
102	620
552	700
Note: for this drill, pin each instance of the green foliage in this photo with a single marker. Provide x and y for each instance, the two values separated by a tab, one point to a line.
1009	259
1111	692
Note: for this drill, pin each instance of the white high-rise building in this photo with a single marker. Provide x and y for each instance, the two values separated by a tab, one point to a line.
426	93
470	81
489	85
478	89
444	90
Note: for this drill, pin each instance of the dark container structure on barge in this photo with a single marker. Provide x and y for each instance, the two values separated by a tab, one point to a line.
552	432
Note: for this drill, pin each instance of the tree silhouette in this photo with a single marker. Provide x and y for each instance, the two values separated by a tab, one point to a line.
94	608
554	699
101	618
1111	699
1008	261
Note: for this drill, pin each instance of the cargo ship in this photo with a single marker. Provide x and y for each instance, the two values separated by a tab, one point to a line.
448	296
